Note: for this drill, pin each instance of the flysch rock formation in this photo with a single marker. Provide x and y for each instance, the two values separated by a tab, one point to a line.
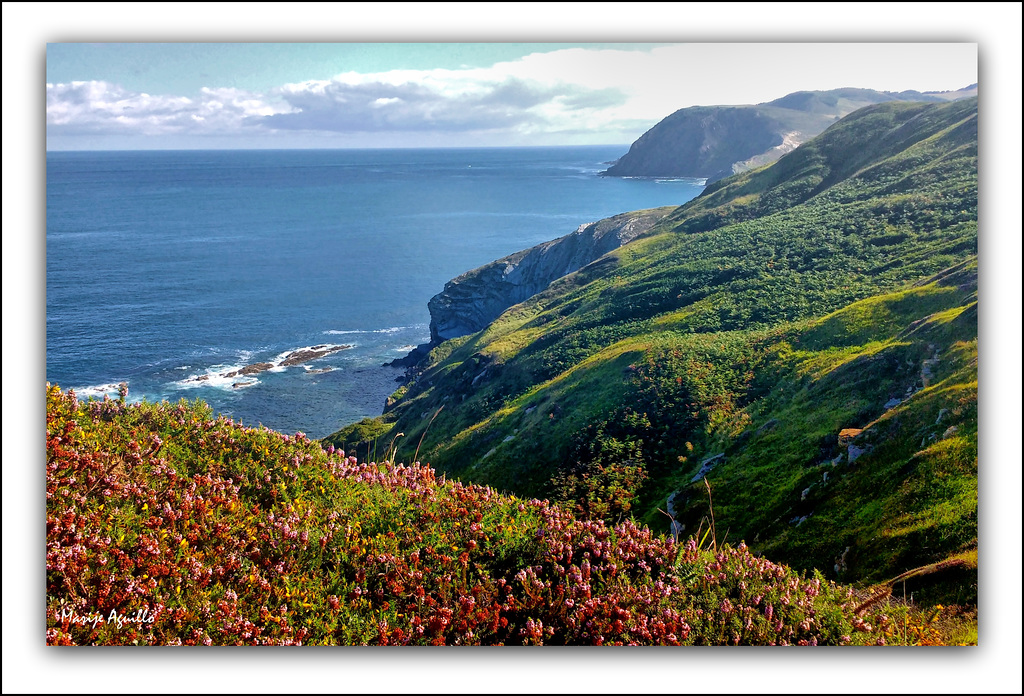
474	299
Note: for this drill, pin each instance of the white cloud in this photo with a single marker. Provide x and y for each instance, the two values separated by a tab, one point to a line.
87	105
477	99
572	95
98	107
663	79
513	97
236	101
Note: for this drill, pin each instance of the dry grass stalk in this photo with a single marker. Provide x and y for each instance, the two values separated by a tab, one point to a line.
883	592
415	457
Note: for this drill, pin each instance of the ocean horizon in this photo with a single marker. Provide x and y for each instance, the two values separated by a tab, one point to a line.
173	270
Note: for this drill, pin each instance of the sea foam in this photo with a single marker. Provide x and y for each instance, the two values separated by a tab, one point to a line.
389	330
97	390
228	377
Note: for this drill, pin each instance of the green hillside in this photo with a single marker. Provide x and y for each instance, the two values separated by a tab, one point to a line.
833	290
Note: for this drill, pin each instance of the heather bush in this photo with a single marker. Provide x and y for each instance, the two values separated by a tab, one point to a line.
600	491
168	526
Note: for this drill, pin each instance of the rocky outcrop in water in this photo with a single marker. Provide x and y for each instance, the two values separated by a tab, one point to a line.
474	299
295	357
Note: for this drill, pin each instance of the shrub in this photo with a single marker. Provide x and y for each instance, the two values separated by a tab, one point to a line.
167	526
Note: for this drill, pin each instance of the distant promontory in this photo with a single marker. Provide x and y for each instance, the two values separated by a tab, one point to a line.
713	142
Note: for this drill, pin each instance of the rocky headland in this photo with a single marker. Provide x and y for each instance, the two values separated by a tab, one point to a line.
474	299
714	142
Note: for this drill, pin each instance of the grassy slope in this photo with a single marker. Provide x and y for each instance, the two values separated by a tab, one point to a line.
911	498
697	326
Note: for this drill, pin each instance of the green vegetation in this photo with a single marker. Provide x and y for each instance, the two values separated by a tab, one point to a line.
832	291
166	526
784	368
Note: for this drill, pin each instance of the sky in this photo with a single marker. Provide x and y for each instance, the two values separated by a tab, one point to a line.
309	95
28	28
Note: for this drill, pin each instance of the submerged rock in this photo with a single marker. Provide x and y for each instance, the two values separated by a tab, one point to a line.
251	369
305	354
296	357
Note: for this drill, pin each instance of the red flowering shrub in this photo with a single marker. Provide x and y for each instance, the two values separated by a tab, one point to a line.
167	526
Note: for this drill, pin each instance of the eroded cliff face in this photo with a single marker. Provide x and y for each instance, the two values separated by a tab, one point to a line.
474	299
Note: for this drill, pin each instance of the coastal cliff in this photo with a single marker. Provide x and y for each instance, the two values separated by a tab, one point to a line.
714	142
802	338
702	142
474	299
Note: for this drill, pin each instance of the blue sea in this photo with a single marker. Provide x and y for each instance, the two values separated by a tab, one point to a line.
170	270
